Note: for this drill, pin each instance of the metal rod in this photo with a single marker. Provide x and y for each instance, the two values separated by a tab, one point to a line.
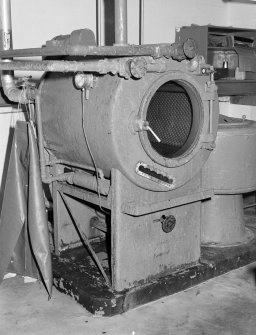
101	66
72	164
86	242
77	192
175	50
120	22
251	205
153	133
6	24
121	66
99	7
42	160
89	182
141	23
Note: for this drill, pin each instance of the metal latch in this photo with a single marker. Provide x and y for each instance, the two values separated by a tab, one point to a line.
140	125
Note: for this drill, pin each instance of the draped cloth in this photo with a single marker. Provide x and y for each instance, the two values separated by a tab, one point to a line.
24	234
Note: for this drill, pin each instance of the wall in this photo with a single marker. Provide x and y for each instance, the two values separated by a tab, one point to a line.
242	14
162	17
36	21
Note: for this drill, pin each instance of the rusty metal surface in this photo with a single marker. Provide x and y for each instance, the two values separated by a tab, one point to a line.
101	66
79	282
125	67
175	51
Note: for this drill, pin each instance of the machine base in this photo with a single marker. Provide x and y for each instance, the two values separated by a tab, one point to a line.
76	275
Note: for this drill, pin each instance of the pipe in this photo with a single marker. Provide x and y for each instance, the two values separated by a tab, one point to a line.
72	164
120	22
178	51
141	23
10	90
89	182
81	180
42	160
100	23
101	66
5	25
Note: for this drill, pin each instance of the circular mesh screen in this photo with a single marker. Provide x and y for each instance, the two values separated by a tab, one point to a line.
170	115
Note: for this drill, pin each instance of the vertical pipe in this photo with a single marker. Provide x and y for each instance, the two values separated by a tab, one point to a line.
6	34
42	160
99	22
120	22
7	77
5	25
141	23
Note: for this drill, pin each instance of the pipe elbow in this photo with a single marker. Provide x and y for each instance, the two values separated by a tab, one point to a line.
15	94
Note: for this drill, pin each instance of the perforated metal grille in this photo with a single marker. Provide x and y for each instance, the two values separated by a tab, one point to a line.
170	116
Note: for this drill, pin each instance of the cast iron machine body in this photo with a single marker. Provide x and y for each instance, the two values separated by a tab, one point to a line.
123	133
122	140
148	180
127	155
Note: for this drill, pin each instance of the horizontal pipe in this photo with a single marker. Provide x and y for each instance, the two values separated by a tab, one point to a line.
177	51
115	66
72	164
89	182
83	180
101	66
120	66
79	193
60	177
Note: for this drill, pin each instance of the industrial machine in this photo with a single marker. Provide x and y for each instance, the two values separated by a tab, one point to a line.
230	50
124	133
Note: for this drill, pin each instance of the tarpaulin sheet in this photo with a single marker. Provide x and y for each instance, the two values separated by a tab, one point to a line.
24	235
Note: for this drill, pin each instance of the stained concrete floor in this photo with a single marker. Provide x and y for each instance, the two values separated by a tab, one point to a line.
224	305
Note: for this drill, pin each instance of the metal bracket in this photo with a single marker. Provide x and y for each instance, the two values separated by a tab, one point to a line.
208	141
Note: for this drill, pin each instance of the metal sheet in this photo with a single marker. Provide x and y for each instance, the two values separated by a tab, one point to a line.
247	61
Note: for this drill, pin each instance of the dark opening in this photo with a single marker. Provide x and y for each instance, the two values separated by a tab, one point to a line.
172	117
154	174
